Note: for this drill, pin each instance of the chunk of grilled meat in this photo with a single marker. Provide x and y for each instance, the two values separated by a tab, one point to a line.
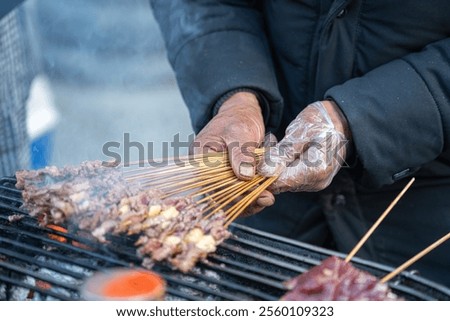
337	280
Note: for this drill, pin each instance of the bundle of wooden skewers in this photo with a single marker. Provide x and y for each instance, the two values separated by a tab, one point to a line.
207	178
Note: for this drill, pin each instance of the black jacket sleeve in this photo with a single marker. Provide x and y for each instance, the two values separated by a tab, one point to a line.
215	47
399	113
7	6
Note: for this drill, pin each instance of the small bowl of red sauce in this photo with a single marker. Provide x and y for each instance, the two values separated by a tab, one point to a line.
124	284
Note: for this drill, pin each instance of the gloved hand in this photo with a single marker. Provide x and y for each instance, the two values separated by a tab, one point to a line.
239	128
312	151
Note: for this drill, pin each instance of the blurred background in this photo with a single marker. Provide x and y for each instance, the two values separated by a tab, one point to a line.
102	72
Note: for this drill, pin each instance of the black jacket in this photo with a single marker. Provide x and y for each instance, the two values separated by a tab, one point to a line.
386	63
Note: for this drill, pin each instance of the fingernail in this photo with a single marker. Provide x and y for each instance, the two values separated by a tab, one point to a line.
247	169
265	201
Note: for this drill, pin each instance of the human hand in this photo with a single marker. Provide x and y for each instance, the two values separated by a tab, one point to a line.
237	128
312	151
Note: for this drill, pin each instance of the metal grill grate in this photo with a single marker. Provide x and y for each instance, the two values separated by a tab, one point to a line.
251	265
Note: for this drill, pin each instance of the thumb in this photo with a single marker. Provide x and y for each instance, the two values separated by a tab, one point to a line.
244	160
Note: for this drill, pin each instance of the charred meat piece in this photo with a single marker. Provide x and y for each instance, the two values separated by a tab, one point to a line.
337	280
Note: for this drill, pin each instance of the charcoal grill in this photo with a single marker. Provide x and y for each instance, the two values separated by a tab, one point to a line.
252	265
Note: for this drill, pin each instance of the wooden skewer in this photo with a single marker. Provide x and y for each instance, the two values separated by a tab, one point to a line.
240	206
198	165
167	181
239	188
181	158
204	181
175	188
234	212
212	187
192	174
380	219
153	173
415	258
236	183
198	157
242	189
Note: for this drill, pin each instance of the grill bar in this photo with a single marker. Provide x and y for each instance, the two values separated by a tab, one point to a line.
12	209
182	295
270	260
249	276
248	267
15	282
201	288
247	290
28	272
65	246
284	254
31	260
412	292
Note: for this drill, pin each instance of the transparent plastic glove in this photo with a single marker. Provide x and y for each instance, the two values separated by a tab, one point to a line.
238	127
312	151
